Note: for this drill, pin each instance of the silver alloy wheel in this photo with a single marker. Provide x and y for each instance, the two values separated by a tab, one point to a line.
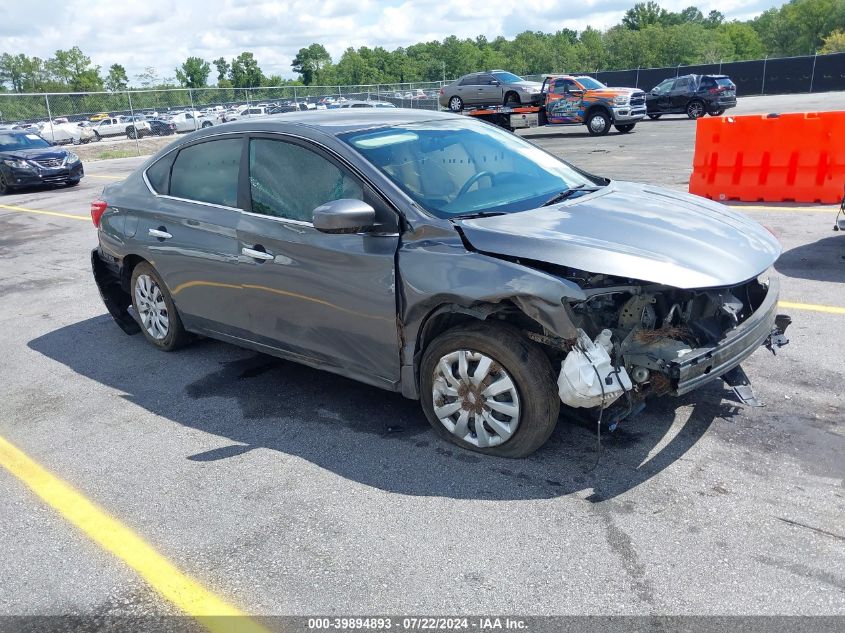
598	123
455	104
151	307
475	398
695	110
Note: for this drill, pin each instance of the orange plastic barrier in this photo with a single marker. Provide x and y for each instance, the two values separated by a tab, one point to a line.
771	158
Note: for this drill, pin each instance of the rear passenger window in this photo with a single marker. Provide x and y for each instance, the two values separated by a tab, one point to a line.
208	172
158	174
470	80
289	181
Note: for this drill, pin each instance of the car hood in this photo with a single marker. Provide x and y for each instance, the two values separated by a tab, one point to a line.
44	153
612	92
637	232
527	84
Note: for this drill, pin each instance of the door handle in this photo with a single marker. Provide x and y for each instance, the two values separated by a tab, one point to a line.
162	235
251	252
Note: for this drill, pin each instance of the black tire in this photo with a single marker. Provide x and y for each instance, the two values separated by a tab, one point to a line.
718	112
456	104
131	132
512	99
176	336
654	117
4	186
596	128
97	138
695	109
626	128
73	183
206	124
529	369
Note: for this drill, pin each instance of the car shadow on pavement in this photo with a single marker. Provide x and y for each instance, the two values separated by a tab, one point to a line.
362	433
823	260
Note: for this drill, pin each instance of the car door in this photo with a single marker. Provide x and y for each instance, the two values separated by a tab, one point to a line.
469	90
565	98
190	232
327	299
489	89
680	94
657	100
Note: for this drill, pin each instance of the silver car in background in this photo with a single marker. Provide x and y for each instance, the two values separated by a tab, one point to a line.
489	88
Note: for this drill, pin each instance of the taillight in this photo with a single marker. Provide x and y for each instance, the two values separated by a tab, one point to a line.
715	91
98	208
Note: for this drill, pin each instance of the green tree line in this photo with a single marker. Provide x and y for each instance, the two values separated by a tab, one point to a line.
647	36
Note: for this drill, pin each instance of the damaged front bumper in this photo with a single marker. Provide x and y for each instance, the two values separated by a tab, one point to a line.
700	366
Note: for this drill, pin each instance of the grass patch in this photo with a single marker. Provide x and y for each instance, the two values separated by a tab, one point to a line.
114	153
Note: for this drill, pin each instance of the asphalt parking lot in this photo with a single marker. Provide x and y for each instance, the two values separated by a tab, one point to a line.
283	490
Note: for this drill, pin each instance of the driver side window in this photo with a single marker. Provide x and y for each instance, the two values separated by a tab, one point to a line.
290	181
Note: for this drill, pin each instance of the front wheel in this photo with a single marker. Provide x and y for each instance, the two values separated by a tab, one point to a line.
487	388
598	123
206	124
512	99
160	321
718	112
456	104
625	129
4	186
73	183
695	109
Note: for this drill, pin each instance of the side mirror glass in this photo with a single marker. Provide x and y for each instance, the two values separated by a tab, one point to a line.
344	216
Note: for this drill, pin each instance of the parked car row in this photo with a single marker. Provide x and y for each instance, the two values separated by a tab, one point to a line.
693	95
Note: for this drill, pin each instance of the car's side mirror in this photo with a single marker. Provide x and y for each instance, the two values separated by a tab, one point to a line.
345	215
577	93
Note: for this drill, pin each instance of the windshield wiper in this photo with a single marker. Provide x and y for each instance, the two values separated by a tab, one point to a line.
479	214
566	193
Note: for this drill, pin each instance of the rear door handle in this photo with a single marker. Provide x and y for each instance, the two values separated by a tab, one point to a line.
162	235
251	252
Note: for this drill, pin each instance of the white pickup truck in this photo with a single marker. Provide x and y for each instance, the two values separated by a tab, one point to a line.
248	113
190	121
119	125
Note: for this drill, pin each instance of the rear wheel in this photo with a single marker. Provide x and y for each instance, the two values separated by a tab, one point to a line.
695	109
160	321
718	112
625	129
97	138
487	388
131	132
654	116
598	123
456	104
206	124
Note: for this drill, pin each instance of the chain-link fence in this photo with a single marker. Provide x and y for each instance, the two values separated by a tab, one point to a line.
142	119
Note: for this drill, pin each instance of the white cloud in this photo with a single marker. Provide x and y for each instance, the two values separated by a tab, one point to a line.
162	33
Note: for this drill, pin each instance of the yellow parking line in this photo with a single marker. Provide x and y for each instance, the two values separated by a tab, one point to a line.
105	177
10	207
754	207
122	542
812	307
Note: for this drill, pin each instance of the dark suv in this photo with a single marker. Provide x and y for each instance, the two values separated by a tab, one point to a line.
693	95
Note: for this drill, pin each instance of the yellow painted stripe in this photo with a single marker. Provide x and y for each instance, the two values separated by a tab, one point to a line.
119	540
812	307
754	207
105	177
59	214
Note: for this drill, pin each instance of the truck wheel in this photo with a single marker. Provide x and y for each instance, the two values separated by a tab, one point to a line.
206	124
598	123
487	388
625	129
97	138
512	99
456	104
654	117
695	109
131	132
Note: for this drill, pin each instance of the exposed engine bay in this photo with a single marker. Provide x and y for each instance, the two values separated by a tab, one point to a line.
643	340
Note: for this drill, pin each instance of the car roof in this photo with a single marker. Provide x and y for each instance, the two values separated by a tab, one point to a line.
338	121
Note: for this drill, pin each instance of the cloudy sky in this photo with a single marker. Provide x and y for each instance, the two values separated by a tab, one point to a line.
162	33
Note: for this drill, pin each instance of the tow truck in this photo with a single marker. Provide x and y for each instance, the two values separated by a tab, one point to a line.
571	100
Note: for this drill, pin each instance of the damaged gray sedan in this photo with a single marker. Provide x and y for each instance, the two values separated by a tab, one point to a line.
439	257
